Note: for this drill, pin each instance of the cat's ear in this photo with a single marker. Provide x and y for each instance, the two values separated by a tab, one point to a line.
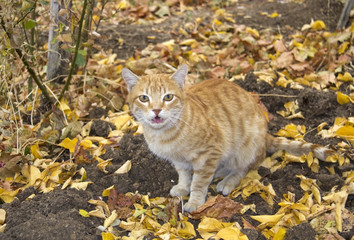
180	75
130	78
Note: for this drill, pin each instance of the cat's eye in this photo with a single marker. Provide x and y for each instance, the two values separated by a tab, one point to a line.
168	97
143	98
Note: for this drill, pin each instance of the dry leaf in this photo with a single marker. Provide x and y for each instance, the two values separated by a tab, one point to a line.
2	216
343	98
84	213
231	233
217	207
346	77
108	221
268	219
124	168
69	144
80	185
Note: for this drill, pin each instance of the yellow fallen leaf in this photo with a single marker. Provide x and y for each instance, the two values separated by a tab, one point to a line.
210	225
170	44
343	47
216	21
80	185
100	204
2	216
107	191
318	25
116	134
339	198
292	131
308	184
274	15
254	32
343	98
145	199
183	32
138	234
283	82
84	213
268	218
69	144
124	168
86	143
83	174
331	170
2	228
291	110
148	222
280	234
231	233
55	175
321	126
103	164
108	221
108	236
121	120
35	151
346	77
63	106
312	162
230	19
66	183
190	42
97	213
32	173
186	230
346	132
8	196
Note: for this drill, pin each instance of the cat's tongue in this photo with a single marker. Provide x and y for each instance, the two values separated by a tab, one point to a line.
157	120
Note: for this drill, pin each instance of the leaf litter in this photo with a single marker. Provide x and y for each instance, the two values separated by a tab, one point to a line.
41	157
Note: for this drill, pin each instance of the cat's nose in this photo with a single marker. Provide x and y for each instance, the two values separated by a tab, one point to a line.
156	111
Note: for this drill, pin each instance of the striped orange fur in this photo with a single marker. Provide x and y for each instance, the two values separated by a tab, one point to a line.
214	128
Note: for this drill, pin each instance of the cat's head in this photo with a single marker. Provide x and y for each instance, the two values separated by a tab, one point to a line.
156	100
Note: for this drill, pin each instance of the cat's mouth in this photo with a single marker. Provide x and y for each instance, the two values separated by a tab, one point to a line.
157	119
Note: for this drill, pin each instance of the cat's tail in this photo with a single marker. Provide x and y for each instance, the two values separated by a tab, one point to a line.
296	147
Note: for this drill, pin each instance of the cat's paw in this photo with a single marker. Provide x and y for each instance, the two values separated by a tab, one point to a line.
227	185
177	191
192	206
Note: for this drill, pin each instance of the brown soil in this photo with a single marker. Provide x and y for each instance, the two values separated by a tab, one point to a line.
55	215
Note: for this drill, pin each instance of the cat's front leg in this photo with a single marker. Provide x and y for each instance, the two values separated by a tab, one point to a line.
199	189
184	182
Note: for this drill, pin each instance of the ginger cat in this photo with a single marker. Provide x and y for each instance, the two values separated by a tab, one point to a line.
215	128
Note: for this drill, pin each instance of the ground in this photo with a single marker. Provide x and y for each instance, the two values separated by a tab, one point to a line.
54	215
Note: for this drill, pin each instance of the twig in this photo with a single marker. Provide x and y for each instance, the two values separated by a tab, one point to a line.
33	102
16	124
73	63
29	11
276	95
100	16
313	129
28	66
66	120
167	65
109	100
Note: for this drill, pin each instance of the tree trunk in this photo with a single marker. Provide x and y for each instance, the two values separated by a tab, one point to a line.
58	59
344	17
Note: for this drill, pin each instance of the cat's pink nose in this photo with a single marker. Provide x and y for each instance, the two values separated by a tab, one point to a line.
156	111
